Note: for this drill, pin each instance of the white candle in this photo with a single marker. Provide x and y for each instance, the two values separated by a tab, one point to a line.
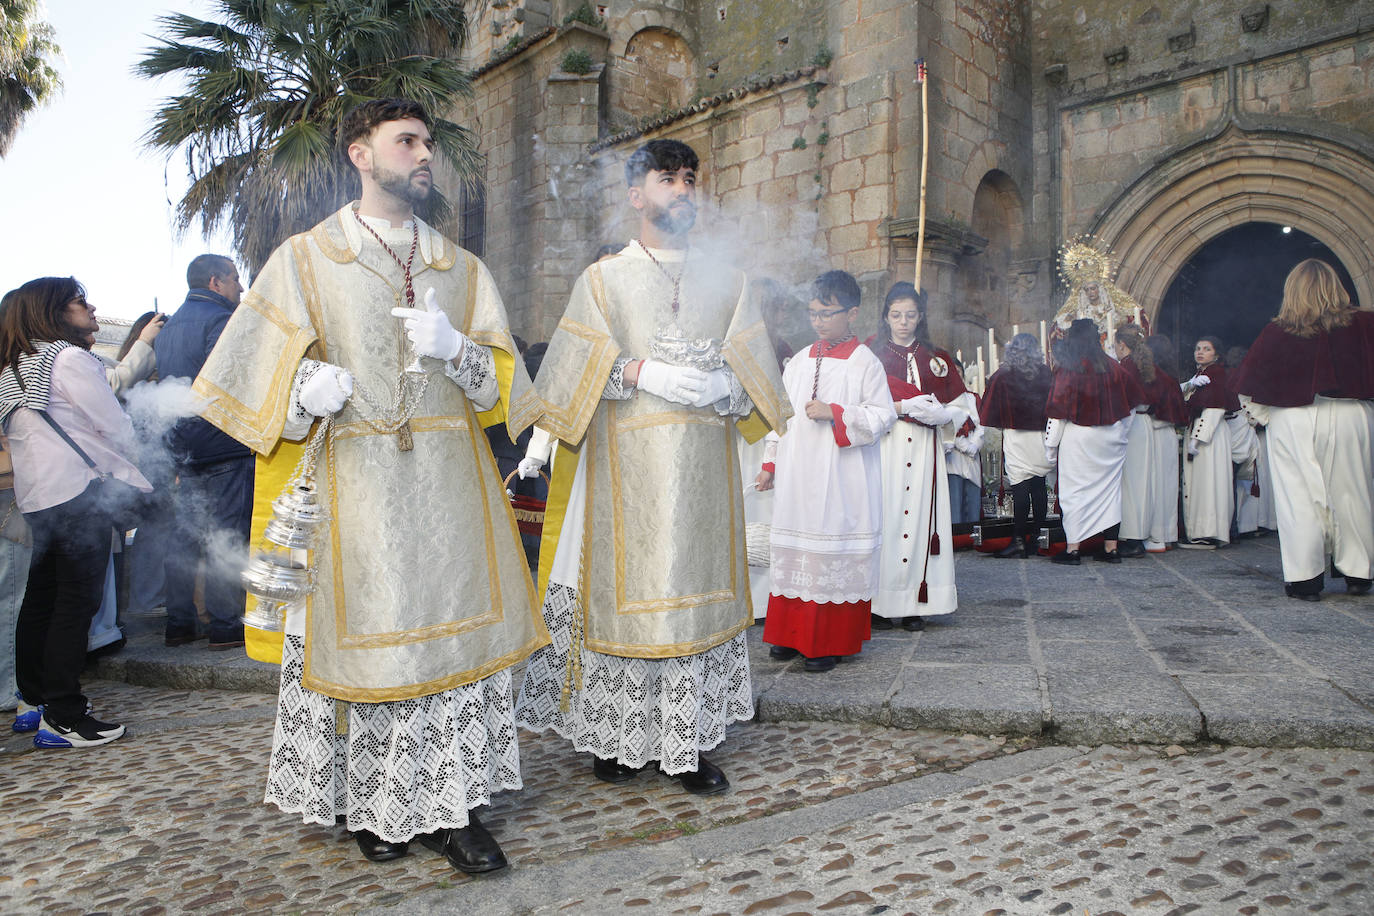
959	355
1043	343
1111	333
992	350
982	370
1015	329
1138	322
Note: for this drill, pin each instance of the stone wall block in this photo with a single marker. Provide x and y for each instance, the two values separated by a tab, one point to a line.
871	203
794	162
863	142
757	170
848	238
846	175
762	120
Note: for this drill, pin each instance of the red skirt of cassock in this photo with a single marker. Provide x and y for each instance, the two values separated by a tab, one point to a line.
815	629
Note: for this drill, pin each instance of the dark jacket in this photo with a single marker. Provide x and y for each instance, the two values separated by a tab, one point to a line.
181	348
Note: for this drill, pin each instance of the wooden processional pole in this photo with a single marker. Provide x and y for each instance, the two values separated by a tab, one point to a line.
925	158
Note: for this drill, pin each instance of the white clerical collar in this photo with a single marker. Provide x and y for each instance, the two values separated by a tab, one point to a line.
638	249
392	234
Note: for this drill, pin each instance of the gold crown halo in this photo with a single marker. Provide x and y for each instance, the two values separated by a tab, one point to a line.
1081	263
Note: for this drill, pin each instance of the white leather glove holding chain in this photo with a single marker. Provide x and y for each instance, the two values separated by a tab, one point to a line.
678	384
429	330
326	391
1198	381
969	445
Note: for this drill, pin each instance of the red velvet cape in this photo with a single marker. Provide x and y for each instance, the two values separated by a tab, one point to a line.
1013	401
1088	398
1217	394
1284	370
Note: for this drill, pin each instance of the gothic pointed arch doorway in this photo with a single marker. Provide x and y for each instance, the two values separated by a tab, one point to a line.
1318	186
1232	286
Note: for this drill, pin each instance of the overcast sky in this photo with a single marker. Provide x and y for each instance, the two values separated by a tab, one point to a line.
79	195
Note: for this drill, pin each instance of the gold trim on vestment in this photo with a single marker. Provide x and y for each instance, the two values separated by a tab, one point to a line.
411	691
570	425
673	651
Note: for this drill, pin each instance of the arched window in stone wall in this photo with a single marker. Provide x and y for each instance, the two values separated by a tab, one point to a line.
985	288
657	71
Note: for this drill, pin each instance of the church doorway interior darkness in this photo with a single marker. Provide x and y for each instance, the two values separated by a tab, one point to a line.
1233	285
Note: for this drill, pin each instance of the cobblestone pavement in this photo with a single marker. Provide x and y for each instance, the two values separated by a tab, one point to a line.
822	817
1183	647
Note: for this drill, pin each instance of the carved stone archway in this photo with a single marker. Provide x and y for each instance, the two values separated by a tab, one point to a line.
1322	187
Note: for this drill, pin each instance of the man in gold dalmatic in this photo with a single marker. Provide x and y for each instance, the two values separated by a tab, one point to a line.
395	707
658	359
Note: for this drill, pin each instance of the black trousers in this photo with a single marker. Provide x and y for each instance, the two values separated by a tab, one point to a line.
213	507
1029	505
71	551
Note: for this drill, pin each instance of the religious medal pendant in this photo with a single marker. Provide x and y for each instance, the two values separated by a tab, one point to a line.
404	440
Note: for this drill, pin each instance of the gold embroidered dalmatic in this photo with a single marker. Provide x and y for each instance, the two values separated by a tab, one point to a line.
663	562
421	582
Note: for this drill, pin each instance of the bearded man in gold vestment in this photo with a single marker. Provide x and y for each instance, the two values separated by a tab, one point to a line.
395	711
659	362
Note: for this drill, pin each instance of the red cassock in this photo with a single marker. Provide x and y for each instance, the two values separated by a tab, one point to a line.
1085	397
1284	370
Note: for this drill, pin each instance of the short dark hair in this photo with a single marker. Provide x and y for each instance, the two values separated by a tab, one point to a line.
204	267
838	285
659	156
359	123
34	314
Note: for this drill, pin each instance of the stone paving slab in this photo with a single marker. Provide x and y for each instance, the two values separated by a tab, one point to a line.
1154	649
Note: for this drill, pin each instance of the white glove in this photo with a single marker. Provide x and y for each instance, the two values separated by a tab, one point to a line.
948	447
326	391
530	467
1193	446
429	330
716	387
1198	381
1052	454
678	384
927	409
967	445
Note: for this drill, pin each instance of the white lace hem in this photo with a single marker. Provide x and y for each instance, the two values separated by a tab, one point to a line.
635	710
401	768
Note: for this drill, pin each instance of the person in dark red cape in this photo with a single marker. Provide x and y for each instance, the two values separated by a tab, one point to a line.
1208	484
916	561
1310	376
1015	402
1089	401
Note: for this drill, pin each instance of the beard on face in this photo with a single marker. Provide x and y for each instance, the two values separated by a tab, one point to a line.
672	223
403	186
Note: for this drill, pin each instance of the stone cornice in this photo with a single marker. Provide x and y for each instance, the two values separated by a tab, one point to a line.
816	74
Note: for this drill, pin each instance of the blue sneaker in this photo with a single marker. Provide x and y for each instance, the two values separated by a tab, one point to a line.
26	718
86	733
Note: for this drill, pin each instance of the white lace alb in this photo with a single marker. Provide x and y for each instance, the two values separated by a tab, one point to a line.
402	768
635	710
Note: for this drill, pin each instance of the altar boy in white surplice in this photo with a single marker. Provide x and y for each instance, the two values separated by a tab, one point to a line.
828	513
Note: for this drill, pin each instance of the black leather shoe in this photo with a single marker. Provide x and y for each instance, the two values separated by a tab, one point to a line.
820	663
1357	586
1016	550
913	624
612	770
782	653
1066	558
1131	549
376	849
469	849
879	623
706	779
1108	556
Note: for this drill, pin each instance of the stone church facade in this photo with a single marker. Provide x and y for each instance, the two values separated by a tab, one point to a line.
1154	127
